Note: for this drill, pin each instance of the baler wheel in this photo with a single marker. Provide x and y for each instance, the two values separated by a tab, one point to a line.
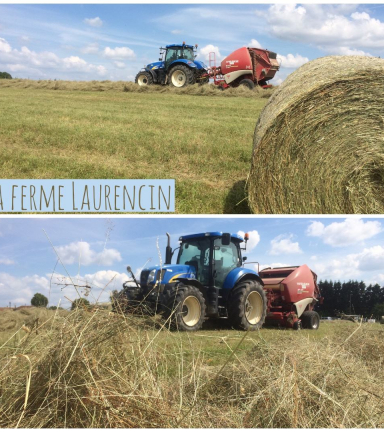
247	305
247	83
188	308
181	76
144	79
310	320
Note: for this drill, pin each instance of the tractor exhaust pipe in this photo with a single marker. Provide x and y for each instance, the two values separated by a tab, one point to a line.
168	251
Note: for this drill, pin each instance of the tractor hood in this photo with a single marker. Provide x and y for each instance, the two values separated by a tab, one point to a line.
156	65
166	274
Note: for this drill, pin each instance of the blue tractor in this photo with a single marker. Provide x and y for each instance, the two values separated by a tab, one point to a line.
209	280
177	67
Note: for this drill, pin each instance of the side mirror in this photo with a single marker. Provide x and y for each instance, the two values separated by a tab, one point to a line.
245	259
226	239
160	59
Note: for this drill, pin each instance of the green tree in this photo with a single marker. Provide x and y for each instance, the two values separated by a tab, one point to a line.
80	302
5	75
378	310
39	300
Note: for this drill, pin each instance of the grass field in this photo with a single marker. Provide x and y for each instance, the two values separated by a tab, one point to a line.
96	369
204	142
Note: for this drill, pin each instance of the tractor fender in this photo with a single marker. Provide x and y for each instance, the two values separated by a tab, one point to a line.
238	274
153	73
185	62
193	282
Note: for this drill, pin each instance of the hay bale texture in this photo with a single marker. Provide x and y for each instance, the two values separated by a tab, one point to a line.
319	142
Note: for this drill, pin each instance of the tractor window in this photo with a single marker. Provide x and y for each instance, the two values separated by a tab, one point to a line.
178	53
195	252
226	258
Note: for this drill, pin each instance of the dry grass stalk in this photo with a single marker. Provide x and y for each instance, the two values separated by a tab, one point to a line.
97	369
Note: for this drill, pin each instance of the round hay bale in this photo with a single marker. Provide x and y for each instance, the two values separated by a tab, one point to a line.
319	142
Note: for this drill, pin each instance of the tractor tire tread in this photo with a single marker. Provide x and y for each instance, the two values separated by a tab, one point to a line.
147	74
174	305
309	319
189	73
236	307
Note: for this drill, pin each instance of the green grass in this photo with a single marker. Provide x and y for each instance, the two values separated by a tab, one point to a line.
203	142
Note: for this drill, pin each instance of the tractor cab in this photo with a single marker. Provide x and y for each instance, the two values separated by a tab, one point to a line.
174	52
212	255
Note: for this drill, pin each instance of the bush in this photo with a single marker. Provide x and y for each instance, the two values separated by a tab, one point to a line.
39	300
5	75
80	303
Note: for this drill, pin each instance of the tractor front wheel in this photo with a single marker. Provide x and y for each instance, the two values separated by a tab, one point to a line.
187	308
310	320
144	79
247	305
181	76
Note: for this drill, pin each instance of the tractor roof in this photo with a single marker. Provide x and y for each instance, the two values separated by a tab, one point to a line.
210	234
179	46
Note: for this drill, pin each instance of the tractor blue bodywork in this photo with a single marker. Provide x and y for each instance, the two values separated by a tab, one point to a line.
159	69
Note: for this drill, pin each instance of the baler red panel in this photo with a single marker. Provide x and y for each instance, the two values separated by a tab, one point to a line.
299	285
238	60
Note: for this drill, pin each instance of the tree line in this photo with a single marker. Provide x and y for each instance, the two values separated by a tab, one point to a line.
351	298
5	75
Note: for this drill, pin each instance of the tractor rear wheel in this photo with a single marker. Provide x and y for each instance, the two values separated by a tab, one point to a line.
144	78
247	305
181	76
187	308
310	320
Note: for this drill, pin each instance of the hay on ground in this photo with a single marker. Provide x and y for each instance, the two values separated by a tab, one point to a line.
319	142
131	87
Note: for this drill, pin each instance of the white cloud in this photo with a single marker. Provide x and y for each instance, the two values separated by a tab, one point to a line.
6	261
254	44
283	244
119	64
20	290
326	26
94	22
343	268
345	233
107	278
292	61
370	259
176	31
92	48
119	53
39	62
72	253
4	46
204	52
254	239
345	51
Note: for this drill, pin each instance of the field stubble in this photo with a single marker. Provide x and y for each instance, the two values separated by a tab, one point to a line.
97	369
205	143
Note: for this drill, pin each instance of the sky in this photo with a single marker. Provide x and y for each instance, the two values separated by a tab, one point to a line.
113	42
96	251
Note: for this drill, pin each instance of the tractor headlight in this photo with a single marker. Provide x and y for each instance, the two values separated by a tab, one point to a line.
151	276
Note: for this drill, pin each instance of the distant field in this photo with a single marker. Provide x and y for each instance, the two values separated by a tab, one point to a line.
97	369
204	142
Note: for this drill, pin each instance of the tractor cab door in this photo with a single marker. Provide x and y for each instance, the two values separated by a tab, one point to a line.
225	259
171	55
196	253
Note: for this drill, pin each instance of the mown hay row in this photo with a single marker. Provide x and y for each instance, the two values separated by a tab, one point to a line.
130	87
319	142
96	369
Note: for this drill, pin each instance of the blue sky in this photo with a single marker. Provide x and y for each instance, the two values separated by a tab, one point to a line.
335	248
84	42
